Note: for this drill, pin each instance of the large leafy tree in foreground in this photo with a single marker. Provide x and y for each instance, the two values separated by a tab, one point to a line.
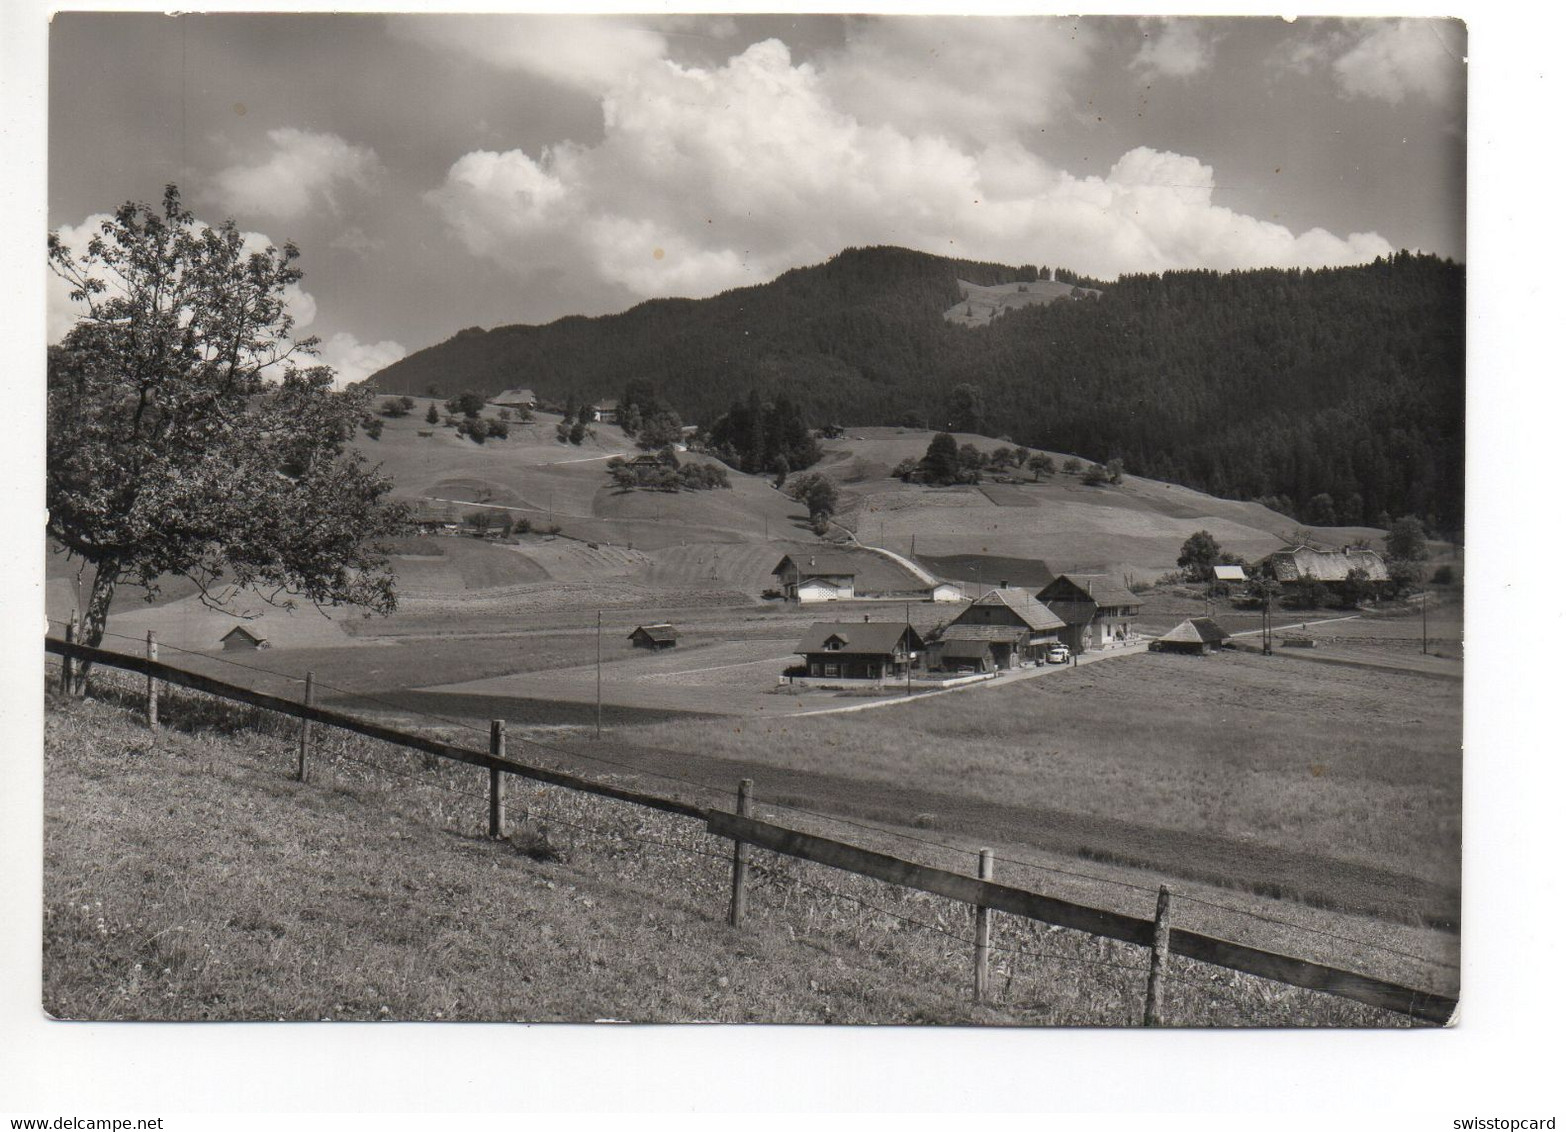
185	436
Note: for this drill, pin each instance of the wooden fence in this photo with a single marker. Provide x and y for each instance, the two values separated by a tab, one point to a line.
983	894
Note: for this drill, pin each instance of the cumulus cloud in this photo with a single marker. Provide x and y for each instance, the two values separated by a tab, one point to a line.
1403	57
708	178
1175	48
300	170
62	312
1387	60
354	360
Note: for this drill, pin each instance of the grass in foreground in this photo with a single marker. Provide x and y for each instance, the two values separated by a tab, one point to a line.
187	876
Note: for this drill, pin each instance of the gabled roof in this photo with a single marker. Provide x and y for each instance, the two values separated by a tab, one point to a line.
1326	565
1029	610
241	631
660	632
818	564
879	638
1196	630
1100	589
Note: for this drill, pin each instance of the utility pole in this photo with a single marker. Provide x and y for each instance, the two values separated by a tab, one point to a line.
598	708
1424	623
908	643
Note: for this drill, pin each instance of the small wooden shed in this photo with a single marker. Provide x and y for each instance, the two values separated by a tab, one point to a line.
660	636
240	637
1195	635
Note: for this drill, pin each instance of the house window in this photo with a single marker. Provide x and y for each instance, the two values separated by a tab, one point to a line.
834	645
831	670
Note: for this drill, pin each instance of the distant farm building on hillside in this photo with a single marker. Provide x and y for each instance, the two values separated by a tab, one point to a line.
826	575
1329	567
1228	573
239	638
514	399
1196	635
867	650
606	412
660	636
1097	609
1003	629
431	515
946	591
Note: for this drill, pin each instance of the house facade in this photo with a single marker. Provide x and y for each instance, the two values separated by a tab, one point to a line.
859	650
1005	628
606	412
1099	611
820	576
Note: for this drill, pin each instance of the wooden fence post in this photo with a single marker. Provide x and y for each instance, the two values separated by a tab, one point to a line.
1155	973
497	782
304	727
68	663
981	934
152	685
741	860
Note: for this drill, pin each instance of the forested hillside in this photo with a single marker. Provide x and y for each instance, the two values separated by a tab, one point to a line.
1295	385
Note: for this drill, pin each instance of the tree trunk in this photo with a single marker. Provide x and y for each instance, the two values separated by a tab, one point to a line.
96	619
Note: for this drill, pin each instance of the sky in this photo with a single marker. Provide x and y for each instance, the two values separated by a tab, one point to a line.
446	171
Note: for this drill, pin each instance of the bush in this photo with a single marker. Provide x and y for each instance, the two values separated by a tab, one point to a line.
468	403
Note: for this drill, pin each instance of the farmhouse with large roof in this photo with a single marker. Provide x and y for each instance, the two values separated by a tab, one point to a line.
1329	567
1003	629
1097	609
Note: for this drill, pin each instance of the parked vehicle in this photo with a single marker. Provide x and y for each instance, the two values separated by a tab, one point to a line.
1058	654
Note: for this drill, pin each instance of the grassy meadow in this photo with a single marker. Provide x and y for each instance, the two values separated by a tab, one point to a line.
1327	784
189	877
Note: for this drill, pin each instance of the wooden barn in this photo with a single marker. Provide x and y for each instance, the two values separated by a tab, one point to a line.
1194	635
1003	629
1097	609
865	650
656	637
241	638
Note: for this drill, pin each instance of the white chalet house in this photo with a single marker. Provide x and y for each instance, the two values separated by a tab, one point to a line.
826	575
